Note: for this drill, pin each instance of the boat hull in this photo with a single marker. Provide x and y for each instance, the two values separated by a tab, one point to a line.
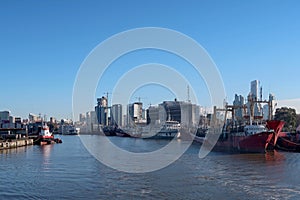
164	135
255	143
240	144
44	140
243	143
120	133
108	131
285	144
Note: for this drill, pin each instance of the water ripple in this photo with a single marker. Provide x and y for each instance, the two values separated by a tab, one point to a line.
68	171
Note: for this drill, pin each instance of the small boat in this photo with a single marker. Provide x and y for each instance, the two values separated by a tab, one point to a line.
57	140
45	132
46	137
286	142
119	132
108	130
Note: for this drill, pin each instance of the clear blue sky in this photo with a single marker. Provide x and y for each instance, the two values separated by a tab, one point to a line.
43	43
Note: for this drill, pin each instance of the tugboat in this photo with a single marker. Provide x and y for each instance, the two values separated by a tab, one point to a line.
46	137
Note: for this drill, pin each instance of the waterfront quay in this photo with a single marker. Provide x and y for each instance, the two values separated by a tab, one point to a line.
12	138
9	144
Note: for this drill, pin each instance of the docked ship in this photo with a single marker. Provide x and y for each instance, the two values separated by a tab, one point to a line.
252	135
250	138
108	130
69	130
121	133
133	131
168	130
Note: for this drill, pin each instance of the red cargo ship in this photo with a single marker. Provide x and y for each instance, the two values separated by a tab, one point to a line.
245	136
254	138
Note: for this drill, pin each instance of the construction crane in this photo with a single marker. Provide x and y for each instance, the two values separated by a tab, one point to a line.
139	98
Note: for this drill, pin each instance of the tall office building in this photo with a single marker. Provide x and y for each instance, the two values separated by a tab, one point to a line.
153	115
254	89
190	114
135	113
82	117
170	110
186	113
266	112
5	119
239	111
91	120
254	96
33	118
116	114
4	116
102	111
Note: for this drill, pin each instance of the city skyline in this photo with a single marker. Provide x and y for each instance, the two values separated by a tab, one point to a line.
43	45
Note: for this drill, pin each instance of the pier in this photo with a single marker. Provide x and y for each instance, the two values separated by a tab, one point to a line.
12	138
9	144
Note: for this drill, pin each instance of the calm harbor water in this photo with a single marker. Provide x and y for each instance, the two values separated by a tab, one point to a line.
67	170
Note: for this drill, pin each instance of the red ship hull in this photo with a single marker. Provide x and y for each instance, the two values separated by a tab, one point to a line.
256	143
46	137
244	144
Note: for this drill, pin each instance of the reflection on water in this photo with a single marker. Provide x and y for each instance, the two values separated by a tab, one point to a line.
46	153
274	157
67	170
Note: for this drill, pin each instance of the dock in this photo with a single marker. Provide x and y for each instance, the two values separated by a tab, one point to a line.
14	138
15	143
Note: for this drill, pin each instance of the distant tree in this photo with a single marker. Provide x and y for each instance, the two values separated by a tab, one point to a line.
289	116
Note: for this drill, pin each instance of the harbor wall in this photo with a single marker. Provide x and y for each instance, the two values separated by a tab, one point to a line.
15	143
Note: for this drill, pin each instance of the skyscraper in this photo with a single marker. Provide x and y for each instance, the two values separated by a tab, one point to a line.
185	113
82	117
4	116
102	110
238	102
116	114
170	110
254	89
254	96
153	115
134	112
